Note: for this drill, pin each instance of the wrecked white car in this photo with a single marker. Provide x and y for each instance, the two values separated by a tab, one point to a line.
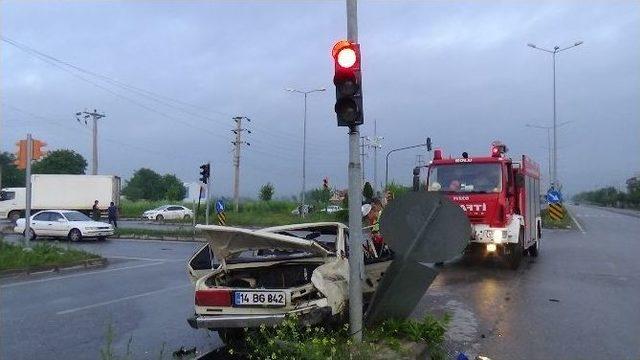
259	276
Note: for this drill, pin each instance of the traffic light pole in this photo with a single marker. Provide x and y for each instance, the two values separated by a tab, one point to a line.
208	198
27	211
356	255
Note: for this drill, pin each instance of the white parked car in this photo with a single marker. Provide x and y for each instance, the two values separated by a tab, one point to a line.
168	212
331	209
259	276
73	225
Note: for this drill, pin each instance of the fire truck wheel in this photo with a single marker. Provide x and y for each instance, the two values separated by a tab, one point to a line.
533	250
515	252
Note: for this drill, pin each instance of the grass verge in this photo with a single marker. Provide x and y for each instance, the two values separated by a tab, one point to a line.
16	257
250	213
549	223
392	339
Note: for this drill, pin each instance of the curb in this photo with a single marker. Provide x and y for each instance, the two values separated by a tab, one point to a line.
161	238
84	264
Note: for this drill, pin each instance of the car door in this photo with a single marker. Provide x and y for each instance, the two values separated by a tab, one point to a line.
59	224
39	223
176	212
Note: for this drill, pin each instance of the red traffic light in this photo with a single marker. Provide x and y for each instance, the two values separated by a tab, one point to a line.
346	55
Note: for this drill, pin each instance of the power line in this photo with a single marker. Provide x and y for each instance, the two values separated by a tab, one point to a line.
161	99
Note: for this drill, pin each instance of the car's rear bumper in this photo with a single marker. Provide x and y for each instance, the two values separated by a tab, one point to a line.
308	317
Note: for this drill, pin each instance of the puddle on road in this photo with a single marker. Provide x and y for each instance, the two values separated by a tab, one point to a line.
464	325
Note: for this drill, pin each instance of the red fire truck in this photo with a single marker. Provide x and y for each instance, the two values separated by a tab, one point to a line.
500	196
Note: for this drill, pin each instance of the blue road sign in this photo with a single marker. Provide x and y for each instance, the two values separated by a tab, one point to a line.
219	206
554	196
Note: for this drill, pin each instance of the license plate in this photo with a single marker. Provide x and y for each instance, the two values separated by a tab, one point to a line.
267	298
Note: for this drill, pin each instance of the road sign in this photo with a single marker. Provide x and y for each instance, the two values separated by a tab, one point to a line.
421	228
554	196
219	206
556	211
222	219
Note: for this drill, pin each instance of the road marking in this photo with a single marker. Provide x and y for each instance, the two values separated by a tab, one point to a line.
79	274
141	258
576	222
64	312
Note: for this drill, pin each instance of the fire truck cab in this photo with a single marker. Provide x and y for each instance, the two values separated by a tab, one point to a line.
500	196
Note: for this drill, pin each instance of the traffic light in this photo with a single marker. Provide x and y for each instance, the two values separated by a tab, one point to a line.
37	149
348	82
205	172
36	152
325	184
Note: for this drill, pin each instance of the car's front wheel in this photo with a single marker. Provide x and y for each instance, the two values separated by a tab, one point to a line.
187	216
31	236
75	235
160	218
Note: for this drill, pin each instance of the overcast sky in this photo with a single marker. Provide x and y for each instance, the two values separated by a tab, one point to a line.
459	72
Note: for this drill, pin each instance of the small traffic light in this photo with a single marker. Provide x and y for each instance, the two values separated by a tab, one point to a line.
205	172
428	144
348	82
325	184
36	152
37	149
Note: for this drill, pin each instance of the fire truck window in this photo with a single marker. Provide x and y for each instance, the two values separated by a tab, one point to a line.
478	178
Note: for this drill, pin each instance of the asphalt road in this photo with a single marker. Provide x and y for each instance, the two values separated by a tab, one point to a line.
578	300
144	295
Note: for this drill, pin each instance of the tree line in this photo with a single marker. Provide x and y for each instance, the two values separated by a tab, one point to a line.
610	196
145	184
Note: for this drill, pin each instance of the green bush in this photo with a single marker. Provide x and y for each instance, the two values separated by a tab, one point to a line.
290	340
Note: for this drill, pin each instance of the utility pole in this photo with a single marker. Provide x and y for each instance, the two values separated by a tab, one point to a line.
27	212
363	145
94	115
376	144
237	143
356	257
420	160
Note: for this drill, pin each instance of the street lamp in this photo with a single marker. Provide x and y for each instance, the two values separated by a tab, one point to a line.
427	144
304	142
556	49
548	128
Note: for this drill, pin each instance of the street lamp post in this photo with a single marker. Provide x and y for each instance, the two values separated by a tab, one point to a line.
386	165
549	148
304	144
556	49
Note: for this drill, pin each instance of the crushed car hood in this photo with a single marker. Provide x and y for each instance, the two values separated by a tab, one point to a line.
226	241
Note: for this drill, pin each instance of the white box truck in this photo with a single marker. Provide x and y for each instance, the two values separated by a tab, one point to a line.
65	192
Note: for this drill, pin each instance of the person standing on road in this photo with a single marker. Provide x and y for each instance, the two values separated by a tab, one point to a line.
113	214
95	211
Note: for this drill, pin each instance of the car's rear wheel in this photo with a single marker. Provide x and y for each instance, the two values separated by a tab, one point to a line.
160	218
75	235
14	215
32	235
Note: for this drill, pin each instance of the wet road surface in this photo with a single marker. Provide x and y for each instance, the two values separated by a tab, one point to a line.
578	300
144	295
